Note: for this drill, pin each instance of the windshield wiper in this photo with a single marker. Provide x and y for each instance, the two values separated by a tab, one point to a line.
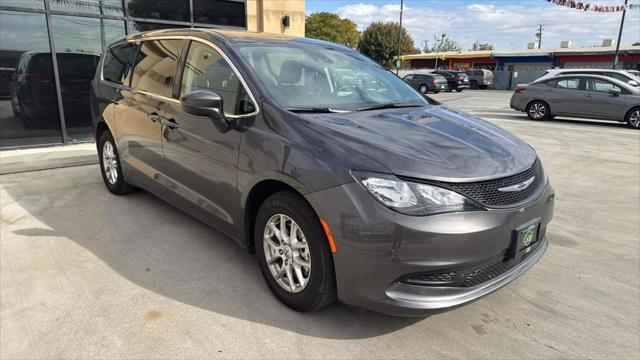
390	106
315	110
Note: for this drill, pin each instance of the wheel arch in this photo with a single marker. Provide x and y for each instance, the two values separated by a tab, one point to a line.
259	192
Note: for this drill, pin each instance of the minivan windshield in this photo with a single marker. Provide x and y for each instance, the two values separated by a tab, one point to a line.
311	77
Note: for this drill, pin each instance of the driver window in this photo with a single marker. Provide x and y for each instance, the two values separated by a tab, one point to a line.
600	85
206	69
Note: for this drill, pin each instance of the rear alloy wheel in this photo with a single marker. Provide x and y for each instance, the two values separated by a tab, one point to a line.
110	165
538	110
293	253
633	119
424	89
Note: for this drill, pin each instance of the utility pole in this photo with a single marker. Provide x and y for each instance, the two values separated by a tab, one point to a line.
399	38
624	12
539	36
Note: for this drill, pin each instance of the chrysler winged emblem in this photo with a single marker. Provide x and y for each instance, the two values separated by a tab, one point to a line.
518	187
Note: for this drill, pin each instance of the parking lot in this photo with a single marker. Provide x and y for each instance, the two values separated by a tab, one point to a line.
85	274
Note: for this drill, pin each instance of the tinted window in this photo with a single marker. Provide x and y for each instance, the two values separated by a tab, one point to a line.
105	7
206	69
177	10
619	77
156	65
117	61
600	85
219	12
408	77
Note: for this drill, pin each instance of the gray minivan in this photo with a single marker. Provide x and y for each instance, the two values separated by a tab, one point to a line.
348	184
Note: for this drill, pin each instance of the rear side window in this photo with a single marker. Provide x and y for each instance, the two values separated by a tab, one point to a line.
156	66
206	69
408	77
600	85
568	83
117	62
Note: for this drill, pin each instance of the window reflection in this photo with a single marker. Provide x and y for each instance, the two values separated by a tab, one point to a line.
30	4
79	43
103	7
176	10
28	102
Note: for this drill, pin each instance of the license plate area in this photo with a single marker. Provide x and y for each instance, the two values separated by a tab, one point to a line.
524	239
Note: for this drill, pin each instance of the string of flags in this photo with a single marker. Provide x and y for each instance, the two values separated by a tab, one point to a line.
596	8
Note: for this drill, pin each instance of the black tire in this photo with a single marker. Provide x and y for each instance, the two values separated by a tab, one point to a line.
449	90
320	290
538	110
119	186
436	91
473	84
633	118
483	87
459	90
424	89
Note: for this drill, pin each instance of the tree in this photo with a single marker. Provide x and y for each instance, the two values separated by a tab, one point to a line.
330	27
442	45
379	41
478	46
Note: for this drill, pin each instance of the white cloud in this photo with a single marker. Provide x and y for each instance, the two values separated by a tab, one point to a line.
506	26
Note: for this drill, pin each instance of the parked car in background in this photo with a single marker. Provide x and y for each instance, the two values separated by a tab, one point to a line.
480	78
635	73
456	80
32	89
426	83
588	96
621	75
360	192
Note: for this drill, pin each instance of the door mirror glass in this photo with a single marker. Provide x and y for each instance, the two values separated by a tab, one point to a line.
633	83
615	92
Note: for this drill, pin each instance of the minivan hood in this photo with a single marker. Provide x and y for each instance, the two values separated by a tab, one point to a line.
434	142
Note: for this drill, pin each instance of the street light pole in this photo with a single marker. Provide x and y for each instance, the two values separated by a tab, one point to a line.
399	39
624	12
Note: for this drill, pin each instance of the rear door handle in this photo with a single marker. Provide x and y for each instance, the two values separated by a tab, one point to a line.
170	123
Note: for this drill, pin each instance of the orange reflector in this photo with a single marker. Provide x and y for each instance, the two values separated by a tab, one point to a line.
327	231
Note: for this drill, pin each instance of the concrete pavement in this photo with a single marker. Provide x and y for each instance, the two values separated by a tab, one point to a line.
85	274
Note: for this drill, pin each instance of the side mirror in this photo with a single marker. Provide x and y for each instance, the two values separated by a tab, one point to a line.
206	103
633	83
615	92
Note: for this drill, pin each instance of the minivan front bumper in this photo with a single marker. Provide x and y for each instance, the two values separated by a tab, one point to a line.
376	248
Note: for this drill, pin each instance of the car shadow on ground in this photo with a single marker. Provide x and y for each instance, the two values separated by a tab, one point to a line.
561	120
160	248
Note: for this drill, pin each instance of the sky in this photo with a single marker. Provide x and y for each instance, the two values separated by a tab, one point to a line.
508	24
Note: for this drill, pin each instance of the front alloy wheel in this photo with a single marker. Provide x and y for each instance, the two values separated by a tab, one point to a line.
287	253
293	252
633	119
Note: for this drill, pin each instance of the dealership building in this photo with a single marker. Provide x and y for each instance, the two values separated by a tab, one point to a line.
49	50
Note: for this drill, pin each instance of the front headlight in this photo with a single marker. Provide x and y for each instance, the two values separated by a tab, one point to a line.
412	198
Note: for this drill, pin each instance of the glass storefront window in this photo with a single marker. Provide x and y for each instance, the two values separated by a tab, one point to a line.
28	102
176	10
79	43
219	12
30	4
102	7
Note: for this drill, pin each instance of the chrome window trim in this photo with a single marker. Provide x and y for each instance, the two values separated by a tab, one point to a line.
222	53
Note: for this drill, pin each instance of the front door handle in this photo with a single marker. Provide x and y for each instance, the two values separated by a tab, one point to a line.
155	117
